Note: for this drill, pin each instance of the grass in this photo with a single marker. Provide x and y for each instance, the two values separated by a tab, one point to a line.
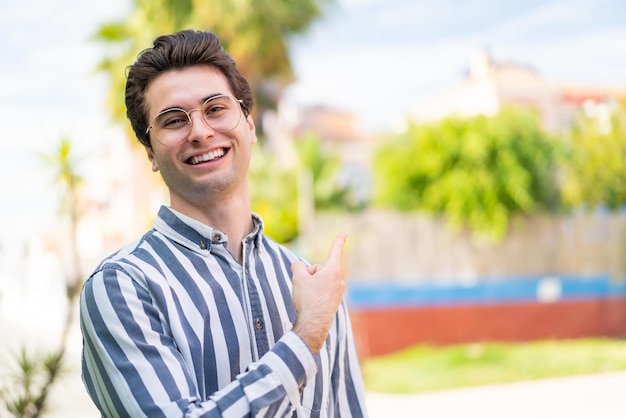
426	368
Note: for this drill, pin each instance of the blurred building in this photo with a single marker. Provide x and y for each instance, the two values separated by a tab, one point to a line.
330	124
334	127
490	86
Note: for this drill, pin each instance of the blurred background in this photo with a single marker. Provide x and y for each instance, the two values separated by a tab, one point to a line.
474	151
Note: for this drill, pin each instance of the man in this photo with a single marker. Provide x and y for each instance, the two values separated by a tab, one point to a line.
205	316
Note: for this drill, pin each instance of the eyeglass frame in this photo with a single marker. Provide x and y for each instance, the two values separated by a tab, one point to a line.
188	113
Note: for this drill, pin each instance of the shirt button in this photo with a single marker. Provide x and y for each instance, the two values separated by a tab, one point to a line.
301	389
217	237
258	324
203	245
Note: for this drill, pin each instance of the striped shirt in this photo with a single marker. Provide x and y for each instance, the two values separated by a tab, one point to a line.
174	326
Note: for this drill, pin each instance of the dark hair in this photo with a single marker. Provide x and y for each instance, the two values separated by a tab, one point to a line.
179	50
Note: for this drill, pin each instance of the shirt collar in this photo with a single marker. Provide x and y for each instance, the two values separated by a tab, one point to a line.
194	234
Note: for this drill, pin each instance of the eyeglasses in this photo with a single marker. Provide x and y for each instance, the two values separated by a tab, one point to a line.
172	126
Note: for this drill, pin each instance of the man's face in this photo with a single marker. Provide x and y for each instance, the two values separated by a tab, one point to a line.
207	164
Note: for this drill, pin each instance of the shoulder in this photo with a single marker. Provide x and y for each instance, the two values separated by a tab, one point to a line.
129	260
282	251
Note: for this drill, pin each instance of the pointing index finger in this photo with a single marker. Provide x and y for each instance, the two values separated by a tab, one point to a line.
336	249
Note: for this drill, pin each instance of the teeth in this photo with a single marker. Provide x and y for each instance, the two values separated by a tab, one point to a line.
207	157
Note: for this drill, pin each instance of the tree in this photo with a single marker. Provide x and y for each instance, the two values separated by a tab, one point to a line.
273	195
26	395
595	170
282	195
324	165
254	32
475	172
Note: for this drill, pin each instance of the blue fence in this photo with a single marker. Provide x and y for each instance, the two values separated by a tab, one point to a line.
551	288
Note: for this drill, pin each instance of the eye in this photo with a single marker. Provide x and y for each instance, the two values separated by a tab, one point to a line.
217	106
213	110
172	119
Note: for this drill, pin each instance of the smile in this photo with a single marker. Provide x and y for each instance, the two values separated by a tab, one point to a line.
216	153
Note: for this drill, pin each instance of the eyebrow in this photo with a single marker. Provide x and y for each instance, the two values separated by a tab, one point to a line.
211	96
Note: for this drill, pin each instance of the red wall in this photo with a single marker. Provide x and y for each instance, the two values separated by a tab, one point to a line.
385	330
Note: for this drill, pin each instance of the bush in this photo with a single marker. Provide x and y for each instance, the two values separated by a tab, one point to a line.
475	172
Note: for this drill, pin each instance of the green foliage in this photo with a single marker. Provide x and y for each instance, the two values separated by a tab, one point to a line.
324	164
425	368
65	175
25	393
278	193
273	195
596	167
476	172
255	33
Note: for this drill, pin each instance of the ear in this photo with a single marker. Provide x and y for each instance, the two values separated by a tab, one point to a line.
155	164
251	128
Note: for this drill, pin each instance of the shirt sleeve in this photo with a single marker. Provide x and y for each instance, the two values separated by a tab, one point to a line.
346	380
132	368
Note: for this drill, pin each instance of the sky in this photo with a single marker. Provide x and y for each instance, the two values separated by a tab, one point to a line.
375	58
381	58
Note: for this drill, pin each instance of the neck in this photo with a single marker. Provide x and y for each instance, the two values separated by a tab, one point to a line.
231	216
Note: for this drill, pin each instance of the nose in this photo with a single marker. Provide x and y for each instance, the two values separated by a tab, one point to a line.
198	129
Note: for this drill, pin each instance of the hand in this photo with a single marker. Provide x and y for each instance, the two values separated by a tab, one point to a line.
317	292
